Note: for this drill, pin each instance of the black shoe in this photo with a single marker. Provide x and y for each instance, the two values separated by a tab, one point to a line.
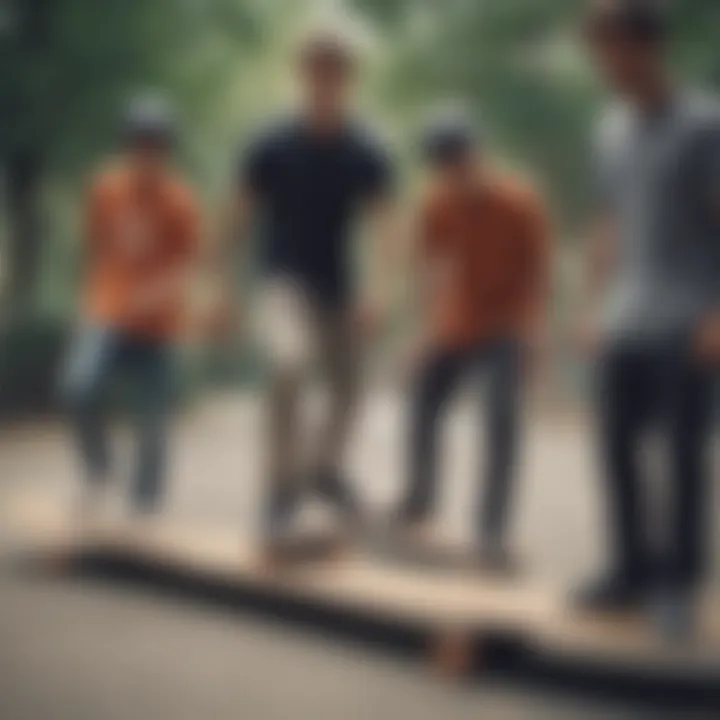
417	533
336	490
280	512
675	614
146	505
496	560
611	594
409	513
278	536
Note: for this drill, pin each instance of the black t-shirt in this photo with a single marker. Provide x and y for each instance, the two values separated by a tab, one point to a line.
310	188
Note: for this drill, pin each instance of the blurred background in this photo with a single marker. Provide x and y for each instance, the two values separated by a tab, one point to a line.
68	66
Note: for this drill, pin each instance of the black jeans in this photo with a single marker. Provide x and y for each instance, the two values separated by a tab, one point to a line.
499	360
659	388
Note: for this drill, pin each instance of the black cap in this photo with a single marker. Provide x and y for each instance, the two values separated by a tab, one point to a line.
450	135
150	118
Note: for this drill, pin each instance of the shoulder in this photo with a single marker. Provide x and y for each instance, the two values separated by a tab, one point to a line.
612	125
518	195
368	141
272	135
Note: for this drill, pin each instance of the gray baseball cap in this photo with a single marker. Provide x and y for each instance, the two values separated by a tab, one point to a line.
150	118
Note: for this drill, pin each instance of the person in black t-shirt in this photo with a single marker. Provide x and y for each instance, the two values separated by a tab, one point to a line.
307	181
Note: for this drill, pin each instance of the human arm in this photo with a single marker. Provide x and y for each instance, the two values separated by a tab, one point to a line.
535	293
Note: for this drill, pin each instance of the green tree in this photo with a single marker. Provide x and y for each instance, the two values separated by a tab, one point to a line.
70	66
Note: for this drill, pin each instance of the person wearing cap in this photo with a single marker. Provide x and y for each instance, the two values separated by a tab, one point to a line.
482	286
655	272
311	179
142	234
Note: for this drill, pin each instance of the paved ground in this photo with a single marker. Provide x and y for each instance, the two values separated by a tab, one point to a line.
83	650
71	651
217	459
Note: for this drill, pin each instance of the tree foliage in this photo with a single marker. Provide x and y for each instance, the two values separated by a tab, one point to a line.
68	66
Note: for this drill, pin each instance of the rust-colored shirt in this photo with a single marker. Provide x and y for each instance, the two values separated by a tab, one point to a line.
140	234
491	248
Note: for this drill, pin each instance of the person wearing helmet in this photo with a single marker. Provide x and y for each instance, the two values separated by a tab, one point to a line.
312	178
481	272
142	234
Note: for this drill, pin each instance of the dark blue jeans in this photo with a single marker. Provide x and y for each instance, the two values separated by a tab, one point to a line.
499	362
659	388
98	356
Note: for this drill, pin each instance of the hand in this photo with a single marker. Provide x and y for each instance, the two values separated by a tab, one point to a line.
707	340
413	355
370	320
151	299
223	323
536	350
587	336
159	295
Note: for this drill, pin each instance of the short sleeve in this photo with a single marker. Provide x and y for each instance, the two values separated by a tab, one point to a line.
376	179
609	144
603	190
255	165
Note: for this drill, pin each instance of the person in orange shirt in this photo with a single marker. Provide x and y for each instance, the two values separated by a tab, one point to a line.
482	277
142	236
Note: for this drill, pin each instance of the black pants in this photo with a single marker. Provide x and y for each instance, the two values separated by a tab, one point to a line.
499	361
657	388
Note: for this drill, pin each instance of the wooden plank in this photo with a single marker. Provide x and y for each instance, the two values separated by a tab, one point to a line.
455	608
632	642
356	582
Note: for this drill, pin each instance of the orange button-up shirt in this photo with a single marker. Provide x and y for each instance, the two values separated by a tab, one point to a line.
140	233
492	246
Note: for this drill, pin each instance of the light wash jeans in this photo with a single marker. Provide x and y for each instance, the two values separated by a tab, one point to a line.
97	357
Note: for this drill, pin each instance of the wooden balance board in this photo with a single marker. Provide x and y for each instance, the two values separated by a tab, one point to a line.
456	611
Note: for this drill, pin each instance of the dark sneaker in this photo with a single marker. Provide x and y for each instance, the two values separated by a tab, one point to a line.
145	506
280	511
336	490
279	535
495	559
610	594
420	532
418	541
674	614
286	542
